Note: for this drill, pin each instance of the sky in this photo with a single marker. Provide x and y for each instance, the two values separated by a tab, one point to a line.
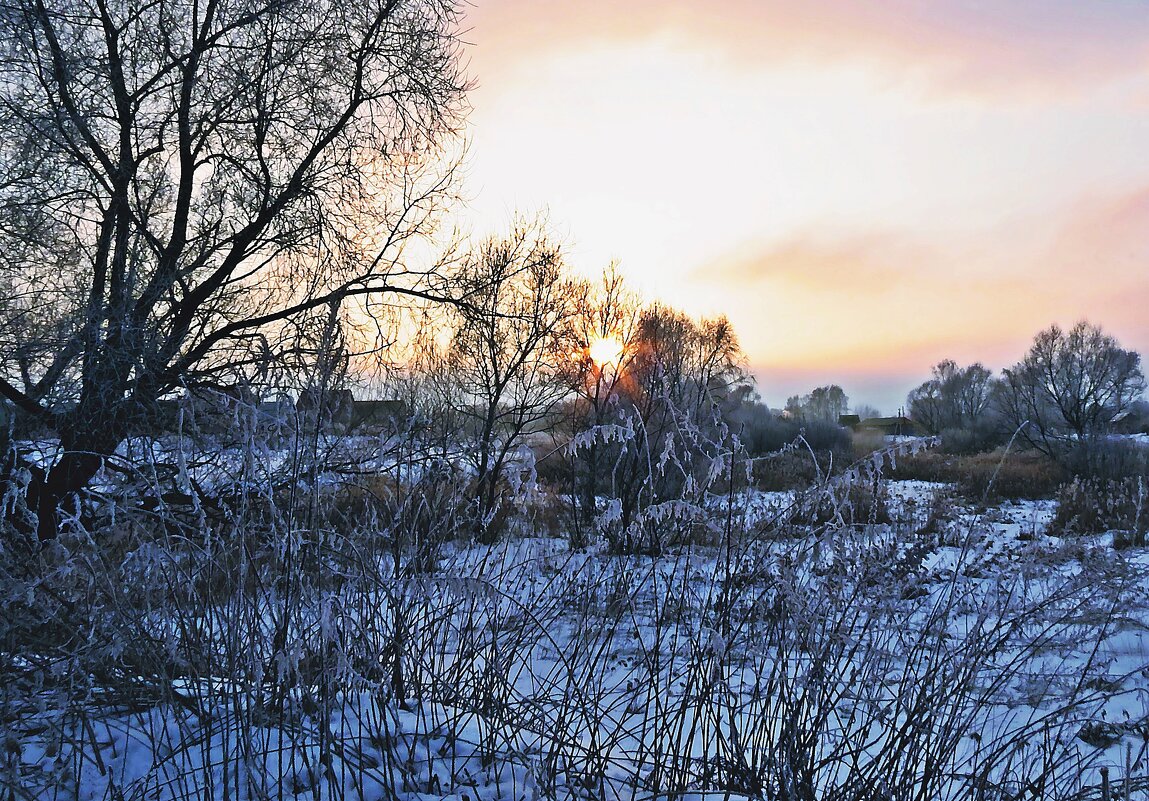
863	188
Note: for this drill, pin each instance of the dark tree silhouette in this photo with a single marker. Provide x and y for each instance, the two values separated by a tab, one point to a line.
956	397
507	357
1068	389
823	404
181	179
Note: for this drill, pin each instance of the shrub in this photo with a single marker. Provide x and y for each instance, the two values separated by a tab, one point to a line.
761	430
831	437
792	469
999	476
549	513
811	453
858	502
926	465
1114	459
970	440
932	518
989	477
768	434
1095	505
555	468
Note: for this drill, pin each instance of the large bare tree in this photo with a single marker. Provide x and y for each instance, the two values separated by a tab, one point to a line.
681	375
1068	389
654	410
956	397
510	349
608	315
180	179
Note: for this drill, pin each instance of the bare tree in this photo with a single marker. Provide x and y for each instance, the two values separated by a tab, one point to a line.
1068	389
670	394
823	404
865	411
972	393
955	397
509	352
179	179
608	315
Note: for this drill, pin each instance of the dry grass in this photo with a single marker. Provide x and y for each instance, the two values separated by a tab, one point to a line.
1095	506
748	669
362	653
987	477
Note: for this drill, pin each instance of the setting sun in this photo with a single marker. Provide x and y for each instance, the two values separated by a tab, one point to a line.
870	158
605	350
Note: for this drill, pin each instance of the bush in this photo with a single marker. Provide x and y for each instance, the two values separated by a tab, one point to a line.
1114	459
765	434
761	430
858	502
789	464
994	476
1096	505
971	440
793	469
926	465
830	437
549	512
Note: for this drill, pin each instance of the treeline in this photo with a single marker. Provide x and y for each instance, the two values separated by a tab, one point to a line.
1070	393
620	405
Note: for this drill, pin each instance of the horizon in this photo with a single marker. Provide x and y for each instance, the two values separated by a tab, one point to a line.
863	191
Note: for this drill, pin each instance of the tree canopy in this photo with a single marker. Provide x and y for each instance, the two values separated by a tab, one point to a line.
182	180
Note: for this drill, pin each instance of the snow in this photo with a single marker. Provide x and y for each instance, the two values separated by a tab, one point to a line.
551	673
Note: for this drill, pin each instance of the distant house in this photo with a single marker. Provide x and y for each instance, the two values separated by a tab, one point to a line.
275	420
376	416
329	410
217	410
230	411
337	411
890	426
850	421
1134	420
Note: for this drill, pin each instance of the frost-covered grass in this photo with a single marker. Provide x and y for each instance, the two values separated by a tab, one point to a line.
800	651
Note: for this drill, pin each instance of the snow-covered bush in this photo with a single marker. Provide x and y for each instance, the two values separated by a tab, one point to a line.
861	501
1095	505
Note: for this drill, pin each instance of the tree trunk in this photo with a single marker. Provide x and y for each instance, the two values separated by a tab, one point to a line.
84	451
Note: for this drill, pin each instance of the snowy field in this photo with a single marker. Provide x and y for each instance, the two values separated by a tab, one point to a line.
947	653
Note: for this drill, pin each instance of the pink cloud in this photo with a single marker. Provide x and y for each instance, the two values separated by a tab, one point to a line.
1013	46
893	303
1005	215
1111	230
870	263
1101	255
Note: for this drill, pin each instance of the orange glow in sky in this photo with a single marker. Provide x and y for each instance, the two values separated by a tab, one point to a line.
605	351
863	188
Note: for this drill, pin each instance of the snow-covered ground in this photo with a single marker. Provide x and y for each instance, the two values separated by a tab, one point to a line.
965	654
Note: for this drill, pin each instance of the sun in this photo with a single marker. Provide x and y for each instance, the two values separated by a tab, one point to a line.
605	351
